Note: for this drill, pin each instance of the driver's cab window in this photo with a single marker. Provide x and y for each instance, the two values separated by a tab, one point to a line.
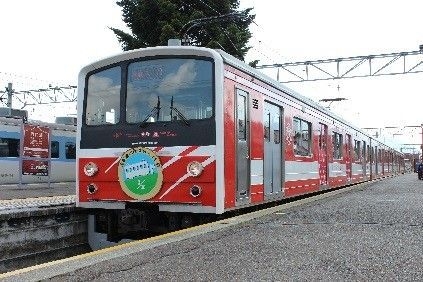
169	89
103	97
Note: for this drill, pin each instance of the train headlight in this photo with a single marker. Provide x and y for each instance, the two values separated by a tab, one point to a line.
90	169
195	168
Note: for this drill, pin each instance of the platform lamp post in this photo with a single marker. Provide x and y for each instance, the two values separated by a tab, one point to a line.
9	90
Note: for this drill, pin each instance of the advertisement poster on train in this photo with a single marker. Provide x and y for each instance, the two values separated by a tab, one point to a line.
36	146
36	141
31	167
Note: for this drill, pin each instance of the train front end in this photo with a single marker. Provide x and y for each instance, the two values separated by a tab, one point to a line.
147	152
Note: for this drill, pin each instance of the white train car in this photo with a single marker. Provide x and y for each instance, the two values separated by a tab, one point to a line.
57	166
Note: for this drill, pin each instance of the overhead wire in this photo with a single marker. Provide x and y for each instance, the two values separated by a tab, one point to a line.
224	31
256	47
28	82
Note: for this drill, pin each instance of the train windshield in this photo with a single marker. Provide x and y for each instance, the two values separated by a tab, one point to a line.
157	90
169	89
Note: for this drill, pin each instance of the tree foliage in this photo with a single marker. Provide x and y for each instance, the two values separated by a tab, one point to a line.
208	23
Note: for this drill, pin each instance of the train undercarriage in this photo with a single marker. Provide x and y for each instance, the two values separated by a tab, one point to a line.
138	222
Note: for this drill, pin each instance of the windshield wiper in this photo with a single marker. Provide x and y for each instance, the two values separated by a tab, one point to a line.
180	115
155	110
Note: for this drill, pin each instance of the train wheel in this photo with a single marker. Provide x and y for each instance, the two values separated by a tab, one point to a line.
174	222
187	220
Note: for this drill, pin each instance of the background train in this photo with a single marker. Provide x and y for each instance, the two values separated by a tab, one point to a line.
188	132
16	168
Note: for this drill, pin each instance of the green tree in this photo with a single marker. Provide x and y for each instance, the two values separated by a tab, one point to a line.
209	23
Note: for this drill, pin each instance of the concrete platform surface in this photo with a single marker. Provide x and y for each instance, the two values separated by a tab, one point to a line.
14	191
371	232
17	205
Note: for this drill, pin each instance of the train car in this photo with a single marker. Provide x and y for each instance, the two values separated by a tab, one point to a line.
169	135
57	166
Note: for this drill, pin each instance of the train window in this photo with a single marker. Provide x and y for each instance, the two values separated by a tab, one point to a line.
322	131
277	136
364	151
169	89
103	97
9	147
368	153
372	155
302	140
267	127
337	141
357	145
55	149
70	150
242	118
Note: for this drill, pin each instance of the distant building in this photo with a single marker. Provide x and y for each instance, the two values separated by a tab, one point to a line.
15	113
66	120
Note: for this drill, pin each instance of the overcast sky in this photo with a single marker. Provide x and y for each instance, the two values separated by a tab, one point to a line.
48	41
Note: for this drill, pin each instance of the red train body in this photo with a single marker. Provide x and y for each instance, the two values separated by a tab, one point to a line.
216	136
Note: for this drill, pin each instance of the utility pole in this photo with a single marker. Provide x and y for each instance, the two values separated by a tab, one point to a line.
9	90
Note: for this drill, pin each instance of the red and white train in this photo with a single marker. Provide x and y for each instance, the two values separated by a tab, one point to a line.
168	135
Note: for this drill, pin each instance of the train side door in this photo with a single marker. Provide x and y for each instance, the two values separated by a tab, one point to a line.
272	173
323	154
348	159
242	148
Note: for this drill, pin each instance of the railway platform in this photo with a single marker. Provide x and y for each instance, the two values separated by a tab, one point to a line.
14	191
371	231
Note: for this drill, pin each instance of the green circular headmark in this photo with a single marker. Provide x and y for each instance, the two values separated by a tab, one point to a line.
140	173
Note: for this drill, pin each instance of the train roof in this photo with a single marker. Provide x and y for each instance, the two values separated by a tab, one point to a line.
227	58
235	62
13	121
231	60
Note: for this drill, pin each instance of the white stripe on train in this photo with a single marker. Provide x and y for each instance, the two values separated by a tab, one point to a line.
186	175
